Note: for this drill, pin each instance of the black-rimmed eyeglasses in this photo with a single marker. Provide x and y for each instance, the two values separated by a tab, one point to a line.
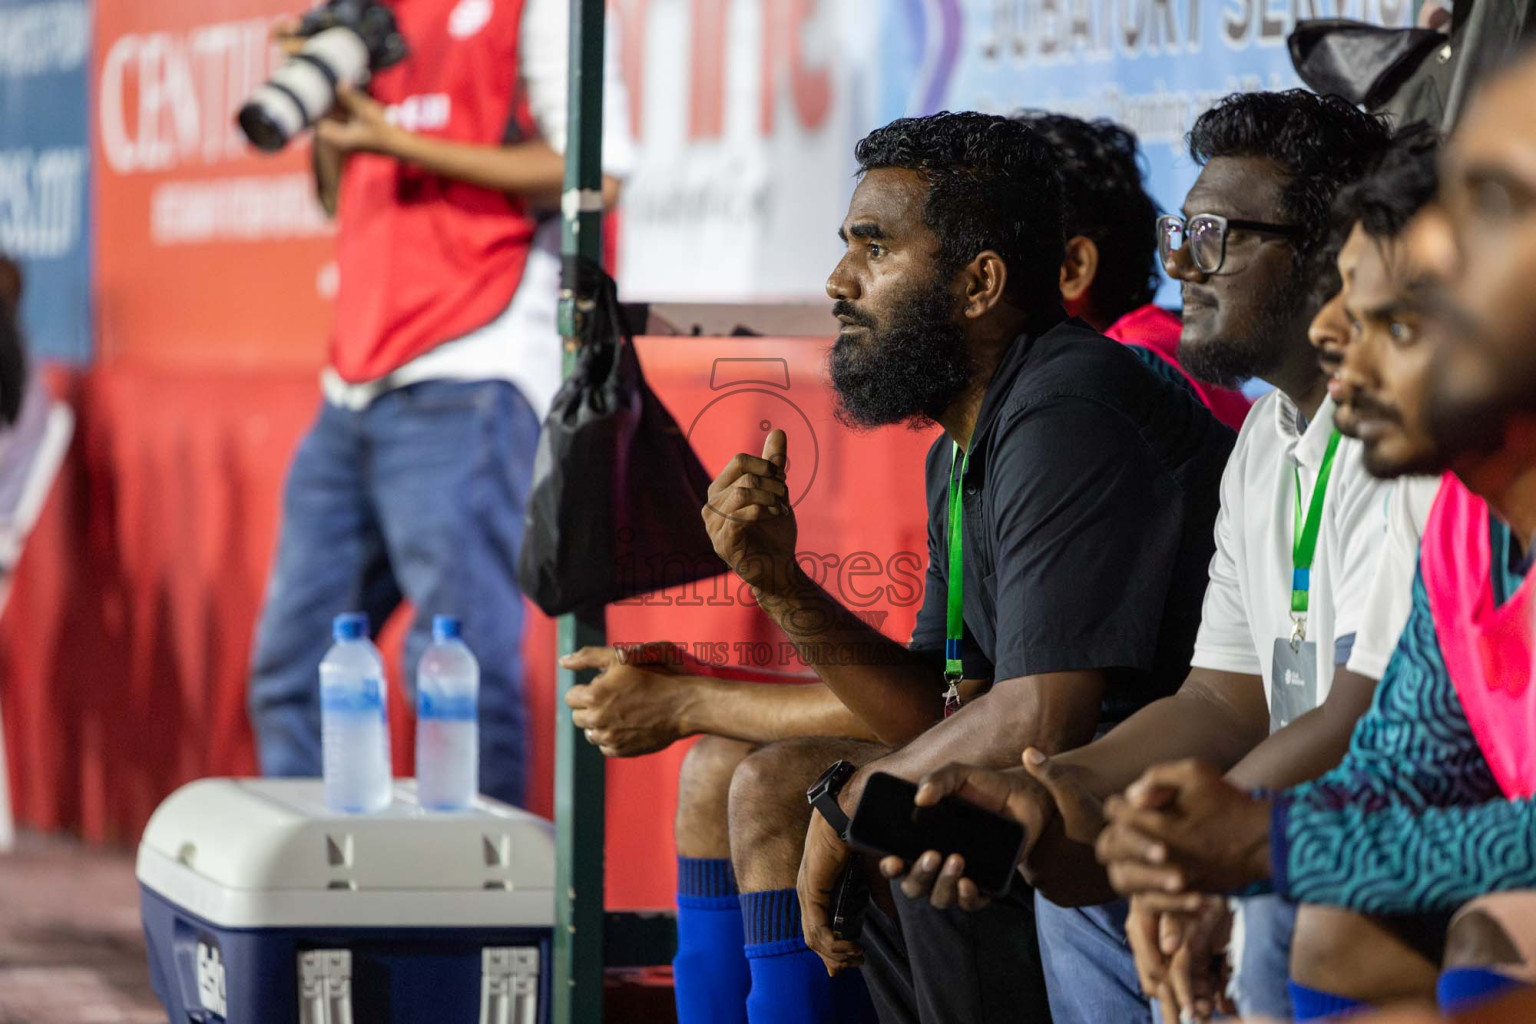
1206	236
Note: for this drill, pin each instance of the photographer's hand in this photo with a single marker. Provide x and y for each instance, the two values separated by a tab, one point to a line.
361	125
532	170
285	33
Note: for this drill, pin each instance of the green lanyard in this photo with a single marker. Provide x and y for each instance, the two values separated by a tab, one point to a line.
955	619
1304	541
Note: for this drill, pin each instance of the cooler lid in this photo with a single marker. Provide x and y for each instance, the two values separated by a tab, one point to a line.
277	834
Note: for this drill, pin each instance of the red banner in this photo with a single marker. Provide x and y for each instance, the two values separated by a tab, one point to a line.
208	253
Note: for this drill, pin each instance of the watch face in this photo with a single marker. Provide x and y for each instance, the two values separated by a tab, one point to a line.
836	772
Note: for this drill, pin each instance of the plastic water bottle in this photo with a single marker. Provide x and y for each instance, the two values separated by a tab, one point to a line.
354	721
447	729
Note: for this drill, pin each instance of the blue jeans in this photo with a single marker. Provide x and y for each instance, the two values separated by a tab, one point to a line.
1090	972
1260	976
419	496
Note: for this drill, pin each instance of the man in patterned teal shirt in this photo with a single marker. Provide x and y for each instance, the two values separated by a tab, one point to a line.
1424	815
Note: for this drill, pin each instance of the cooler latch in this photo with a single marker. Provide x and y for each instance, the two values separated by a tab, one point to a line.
509	985
325	986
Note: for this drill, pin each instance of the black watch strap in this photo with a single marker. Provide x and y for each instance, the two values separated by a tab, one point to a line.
823	793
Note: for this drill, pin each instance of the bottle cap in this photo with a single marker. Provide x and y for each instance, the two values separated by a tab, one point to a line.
445	627
349	626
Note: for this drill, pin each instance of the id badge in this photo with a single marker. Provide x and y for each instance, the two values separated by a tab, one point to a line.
1292	682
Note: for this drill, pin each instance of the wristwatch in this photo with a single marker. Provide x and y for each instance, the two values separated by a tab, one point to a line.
822	795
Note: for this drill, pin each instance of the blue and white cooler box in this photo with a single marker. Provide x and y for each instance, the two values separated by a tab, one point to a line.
263	907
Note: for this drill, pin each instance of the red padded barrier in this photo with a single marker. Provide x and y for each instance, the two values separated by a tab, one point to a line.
123	650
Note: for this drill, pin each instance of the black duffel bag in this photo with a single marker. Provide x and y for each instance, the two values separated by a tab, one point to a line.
1366	64
617	489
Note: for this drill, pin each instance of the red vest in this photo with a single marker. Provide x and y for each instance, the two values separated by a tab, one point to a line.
423	259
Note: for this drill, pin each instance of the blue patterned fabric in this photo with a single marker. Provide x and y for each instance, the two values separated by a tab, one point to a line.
1412	820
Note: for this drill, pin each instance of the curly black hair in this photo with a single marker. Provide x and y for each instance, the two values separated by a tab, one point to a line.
991	185
1322	142
1105	200
1404	179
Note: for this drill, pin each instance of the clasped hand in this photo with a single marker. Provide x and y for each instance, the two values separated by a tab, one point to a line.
627	710
1178	833
1181	828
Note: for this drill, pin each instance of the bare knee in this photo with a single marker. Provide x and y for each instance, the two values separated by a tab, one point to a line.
1320	934
703	792
1349	954
1488	932
768	810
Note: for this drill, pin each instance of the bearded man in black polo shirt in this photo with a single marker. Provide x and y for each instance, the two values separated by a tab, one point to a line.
1087	488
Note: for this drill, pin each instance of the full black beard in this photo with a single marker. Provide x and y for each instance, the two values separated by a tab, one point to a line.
908	372
1231	361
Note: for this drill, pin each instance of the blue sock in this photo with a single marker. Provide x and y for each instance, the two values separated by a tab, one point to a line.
1314	1004
710	979
789	982
1463	987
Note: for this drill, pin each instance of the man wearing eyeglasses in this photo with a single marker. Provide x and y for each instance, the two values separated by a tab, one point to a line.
1297	539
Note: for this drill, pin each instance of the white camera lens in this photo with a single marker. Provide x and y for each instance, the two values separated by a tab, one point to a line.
301	91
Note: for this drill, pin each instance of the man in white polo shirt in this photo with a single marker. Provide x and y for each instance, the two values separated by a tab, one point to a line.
1297	540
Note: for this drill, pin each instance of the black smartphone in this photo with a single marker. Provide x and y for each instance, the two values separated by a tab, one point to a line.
850	901
886	822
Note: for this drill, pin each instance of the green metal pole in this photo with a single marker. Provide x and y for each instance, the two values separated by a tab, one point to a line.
579	804
579	783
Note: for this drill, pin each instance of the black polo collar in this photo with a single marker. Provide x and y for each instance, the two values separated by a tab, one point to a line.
1008	370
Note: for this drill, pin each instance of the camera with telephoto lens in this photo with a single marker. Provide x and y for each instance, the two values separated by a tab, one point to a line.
346	41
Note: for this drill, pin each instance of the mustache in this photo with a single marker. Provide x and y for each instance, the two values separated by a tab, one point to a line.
844	308
1193	295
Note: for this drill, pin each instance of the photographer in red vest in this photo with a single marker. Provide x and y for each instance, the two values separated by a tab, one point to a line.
444	176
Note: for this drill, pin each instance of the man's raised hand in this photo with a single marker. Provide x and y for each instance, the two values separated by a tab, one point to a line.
749	518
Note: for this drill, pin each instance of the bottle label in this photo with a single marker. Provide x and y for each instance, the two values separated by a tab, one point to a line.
367	696
445	707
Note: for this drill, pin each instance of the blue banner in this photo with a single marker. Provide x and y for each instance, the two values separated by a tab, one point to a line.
45	48
1151	65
